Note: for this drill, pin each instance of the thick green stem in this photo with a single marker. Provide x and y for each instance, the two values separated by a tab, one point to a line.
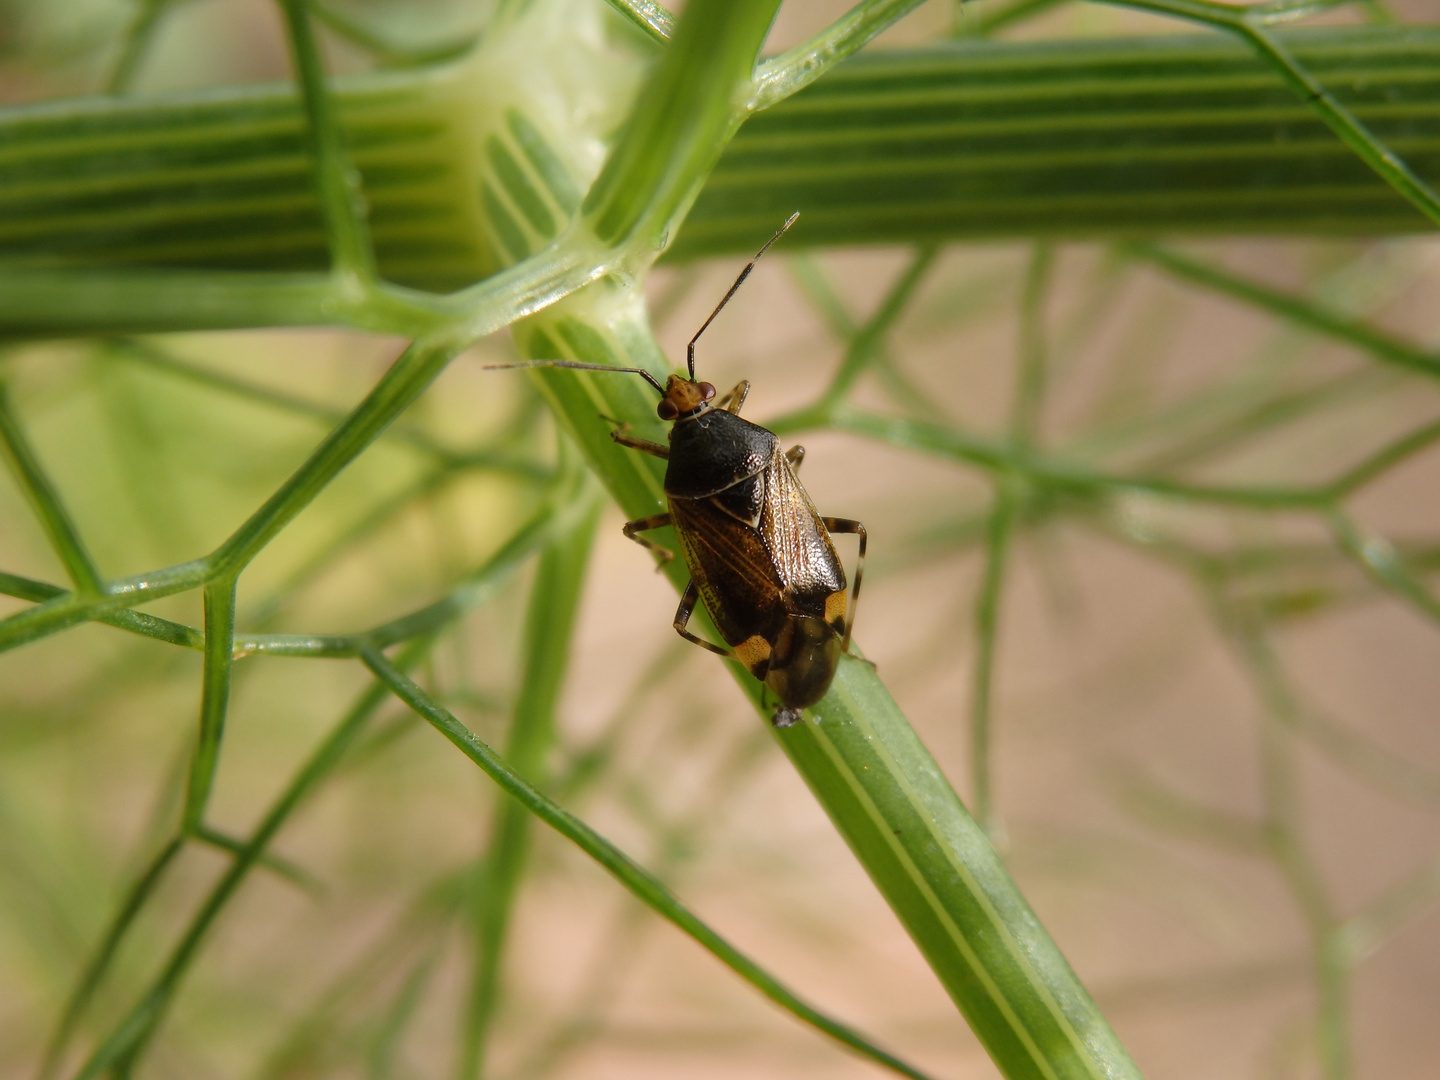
1101	139
688	110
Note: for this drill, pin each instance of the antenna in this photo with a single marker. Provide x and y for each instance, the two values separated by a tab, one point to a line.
583	367
690	349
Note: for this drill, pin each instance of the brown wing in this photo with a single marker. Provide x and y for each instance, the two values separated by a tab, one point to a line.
800	547
732	568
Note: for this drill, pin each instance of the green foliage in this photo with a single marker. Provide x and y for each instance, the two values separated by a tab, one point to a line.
475	173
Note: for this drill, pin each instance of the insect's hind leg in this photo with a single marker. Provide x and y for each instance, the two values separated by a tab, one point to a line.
682	622
848	525
657	521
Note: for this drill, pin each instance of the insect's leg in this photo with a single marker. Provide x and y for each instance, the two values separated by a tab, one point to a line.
847	525
622	436
657	521
795	456
732	401
682	622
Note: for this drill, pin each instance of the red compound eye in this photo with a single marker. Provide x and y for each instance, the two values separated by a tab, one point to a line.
706	391
667	409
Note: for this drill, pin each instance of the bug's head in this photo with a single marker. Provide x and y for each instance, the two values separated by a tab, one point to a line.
684	397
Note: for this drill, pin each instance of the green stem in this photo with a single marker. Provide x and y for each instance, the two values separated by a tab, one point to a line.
99	965
987	617
214	698
650	17
416	368
1302	312
549	621
634	877
866	341
1025	412
686	112
136	622
1077	139
1249	24
45	500
1047	470
138	39
940	875
128	1039
781	76
1285	841
1385	459
995	16
1382	563
342	202
980	139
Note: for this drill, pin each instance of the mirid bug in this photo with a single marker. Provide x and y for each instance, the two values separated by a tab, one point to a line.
759	554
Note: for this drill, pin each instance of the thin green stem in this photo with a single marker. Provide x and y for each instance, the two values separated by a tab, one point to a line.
147	354
416	368
1249	22
481	585
136	622
1302	312
214	698
1385	459
793	70
987	618
128	1039
1047	470
1382	563
95	971
1176	815
549	622
282	868
58	609
866	342
1283	815
45	500
46	302
378	45
657	23
138	39
993	16
342	199
1368	929
634	877
1025	411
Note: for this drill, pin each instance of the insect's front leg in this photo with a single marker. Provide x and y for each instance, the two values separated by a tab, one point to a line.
682	622
622	436
732	401
658	521
848	525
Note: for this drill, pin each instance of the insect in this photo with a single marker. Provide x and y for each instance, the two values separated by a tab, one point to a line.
759	554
